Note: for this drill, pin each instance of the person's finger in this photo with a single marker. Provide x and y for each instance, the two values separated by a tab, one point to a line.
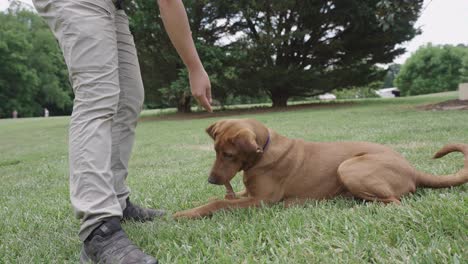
204	103
208	94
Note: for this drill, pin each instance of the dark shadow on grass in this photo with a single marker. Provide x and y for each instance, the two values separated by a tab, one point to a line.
9	163
446	105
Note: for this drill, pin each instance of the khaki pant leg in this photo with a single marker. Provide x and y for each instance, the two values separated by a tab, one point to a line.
129	108
86	33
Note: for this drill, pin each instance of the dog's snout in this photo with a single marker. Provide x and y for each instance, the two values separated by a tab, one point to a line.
213	179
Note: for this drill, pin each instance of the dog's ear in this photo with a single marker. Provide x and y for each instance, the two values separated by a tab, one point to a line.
211	130
246	141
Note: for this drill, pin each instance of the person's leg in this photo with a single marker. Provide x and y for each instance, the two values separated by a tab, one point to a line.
125	121
86	33
129	107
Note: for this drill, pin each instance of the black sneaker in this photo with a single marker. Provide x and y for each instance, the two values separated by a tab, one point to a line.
108	244
136	213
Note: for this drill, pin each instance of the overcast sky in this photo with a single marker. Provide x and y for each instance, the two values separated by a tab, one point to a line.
442	22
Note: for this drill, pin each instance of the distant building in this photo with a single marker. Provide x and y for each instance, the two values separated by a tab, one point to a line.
388	92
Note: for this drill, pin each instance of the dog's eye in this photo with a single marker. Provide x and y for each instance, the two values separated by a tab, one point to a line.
227	155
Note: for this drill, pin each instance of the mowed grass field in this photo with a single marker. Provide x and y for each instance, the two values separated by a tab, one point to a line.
169	169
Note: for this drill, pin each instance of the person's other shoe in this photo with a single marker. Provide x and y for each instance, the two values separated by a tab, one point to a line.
109	244
137	213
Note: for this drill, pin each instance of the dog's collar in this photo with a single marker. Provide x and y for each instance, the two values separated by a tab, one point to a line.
267	142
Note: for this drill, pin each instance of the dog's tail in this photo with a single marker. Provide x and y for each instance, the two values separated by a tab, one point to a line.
429	180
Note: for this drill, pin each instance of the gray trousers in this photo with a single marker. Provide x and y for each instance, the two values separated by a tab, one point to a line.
102	62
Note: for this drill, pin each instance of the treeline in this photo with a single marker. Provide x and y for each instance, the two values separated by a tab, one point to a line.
33	75
253	51
434	69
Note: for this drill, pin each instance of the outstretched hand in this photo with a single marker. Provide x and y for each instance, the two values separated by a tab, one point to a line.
201	87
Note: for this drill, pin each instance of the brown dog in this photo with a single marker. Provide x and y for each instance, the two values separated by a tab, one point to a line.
277	169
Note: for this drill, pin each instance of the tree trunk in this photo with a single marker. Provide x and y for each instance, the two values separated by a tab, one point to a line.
279	100
184	104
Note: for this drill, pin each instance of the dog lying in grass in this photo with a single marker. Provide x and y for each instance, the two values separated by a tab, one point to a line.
278	169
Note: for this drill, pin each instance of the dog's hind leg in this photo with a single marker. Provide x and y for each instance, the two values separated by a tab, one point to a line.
376	177
289	202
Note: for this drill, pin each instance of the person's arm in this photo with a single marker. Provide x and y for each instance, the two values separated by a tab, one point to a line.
177	27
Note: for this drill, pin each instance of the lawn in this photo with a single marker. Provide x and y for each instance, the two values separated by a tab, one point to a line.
169	170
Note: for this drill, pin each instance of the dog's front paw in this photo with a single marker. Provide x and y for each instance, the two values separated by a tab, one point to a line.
187	214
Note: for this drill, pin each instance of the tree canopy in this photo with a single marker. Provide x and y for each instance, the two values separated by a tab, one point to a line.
391	74
433	69
305	48
300	48
33	75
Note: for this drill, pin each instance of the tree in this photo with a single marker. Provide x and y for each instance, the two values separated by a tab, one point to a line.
304	48
33	75
392	72
164	75
158	60
432	69
280	48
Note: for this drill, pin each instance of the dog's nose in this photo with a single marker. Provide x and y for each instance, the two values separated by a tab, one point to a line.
213	180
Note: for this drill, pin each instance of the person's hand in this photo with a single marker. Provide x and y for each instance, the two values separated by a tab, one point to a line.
177	26
201	87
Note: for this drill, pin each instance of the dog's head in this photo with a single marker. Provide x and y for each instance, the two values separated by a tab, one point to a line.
238	145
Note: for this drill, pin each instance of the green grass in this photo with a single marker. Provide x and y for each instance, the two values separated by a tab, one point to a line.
169	169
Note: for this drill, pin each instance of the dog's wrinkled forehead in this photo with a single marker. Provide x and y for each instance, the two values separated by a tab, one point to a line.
224	130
